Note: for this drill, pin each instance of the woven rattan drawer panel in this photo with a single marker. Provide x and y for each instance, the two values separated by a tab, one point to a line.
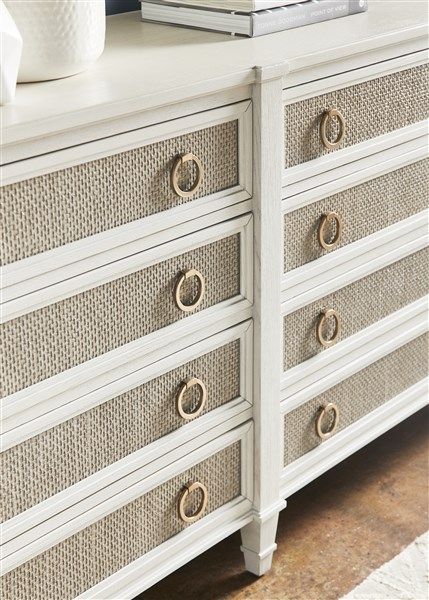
363	209
359	305
103	548
68	205
41	466
62	335
370	109
356	396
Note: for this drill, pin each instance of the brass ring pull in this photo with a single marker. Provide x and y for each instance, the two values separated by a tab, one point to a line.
184	387
174	177
323	222
331	114
323	412
178	288
188	489
326	314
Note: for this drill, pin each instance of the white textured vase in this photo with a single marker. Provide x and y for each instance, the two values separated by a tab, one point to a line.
10	54
60	37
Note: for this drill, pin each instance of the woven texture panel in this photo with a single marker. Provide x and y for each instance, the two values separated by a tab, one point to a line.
41	466
364	209
68	205
88	557
59	336
356	396
370	109
359	305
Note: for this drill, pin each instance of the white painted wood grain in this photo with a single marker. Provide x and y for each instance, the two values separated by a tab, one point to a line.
57	518
319	373
354	261
30	295
152	68
351	439
348	78
141	574
333	173
140	95
258	537
28	415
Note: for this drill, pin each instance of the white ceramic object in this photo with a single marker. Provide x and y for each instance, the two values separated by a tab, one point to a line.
60	37
10	54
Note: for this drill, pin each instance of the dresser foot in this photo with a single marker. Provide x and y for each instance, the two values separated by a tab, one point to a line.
258	544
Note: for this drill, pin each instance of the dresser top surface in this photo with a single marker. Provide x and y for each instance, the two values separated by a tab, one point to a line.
145	66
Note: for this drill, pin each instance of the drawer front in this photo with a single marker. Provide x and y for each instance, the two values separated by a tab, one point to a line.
68	205
40	467
361	211
88	557
355	397
358	305
62	335
369	109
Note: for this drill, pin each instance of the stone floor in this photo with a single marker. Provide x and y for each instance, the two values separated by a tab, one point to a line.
333	534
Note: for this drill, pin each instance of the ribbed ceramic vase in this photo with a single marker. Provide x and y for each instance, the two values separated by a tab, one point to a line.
60	37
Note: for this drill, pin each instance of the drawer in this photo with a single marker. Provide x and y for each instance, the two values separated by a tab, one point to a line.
354	398
40	466
368	109
67	205
358	305
309	233
64	334
116	540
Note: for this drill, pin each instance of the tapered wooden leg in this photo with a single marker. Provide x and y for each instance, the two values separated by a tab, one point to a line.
258	544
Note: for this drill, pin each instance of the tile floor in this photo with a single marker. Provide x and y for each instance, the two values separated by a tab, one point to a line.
333	534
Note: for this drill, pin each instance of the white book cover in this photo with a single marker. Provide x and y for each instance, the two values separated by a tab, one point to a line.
252	24
246	6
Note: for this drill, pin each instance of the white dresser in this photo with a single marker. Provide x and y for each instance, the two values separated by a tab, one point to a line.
214	289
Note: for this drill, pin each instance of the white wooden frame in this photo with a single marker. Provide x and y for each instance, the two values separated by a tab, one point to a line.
53	266
30	414
25	288
349	160
34	296
359	259
62	272
258	537
136	138
342	79
61	390
57	518
319	373
82	130
363	40
333	173
346	442
309	183
177	551
349	58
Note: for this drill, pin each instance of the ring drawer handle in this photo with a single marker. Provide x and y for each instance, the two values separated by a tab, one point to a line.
184	387
189	488
332	113
174	177
323	412
178	289
323	222
326	314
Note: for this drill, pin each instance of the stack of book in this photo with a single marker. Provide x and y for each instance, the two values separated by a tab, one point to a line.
248	17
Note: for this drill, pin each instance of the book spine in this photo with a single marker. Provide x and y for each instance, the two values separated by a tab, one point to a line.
298	15
196	18
242	6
